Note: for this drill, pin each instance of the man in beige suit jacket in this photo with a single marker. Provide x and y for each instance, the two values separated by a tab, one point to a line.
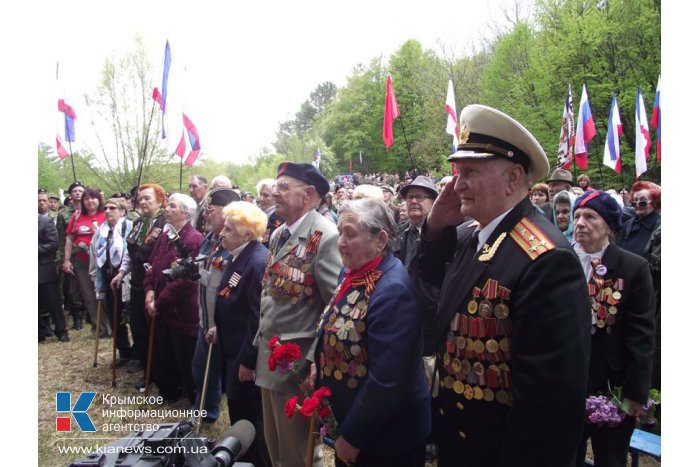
300	277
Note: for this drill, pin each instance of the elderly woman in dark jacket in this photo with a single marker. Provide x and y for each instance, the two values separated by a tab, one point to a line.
237	315
172	302
622	317
140	242
369	347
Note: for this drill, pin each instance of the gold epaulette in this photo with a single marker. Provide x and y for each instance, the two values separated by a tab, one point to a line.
530	238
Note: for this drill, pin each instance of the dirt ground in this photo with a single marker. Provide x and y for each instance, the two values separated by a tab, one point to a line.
69	367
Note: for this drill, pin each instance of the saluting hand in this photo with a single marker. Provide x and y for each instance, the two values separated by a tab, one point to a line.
445	211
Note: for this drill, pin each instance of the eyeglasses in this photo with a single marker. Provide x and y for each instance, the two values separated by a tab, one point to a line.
418	198
211	209
284	186
641	203
110	208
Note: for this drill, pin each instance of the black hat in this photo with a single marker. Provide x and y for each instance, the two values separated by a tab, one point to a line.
561	175
221	196
43	190
75	184
602	203
307	173
421	181
487	133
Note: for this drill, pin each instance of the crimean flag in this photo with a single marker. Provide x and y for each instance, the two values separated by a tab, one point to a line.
656	119
65	131
452	127
585	131
193	137
391	112
611	156
567	134
642	138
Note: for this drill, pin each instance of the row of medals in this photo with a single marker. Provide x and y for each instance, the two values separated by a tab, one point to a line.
345	324
485	309
603	316
289	278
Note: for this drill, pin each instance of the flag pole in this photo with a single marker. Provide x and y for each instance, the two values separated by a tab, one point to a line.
415	172
145	144
72	164
181	174
600	167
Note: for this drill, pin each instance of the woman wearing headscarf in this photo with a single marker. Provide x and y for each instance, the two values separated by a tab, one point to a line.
140	242
622	323
237	313
79	232
563	214
109	263
645	198
171	298
369	347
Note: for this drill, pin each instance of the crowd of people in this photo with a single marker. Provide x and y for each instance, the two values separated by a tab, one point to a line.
462	318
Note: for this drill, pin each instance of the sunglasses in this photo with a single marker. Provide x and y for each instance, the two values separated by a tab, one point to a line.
110	208
642	204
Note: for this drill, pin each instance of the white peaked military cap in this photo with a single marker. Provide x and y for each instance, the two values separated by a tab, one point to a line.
485	132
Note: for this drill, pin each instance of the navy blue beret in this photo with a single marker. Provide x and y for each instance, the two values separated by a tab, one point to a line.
602	203
307	173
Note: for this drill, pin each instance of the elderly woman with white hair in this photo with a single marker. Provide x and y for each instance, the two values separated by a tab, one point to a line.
171	299
237	315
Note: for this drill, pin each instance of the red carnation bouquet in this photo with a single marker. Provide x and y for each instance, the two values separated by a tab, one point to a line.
285	358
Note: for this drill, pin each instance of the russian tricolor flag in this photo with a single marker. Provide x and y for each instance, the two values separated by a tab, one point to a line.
193	136
656	119
65	131
642	138
585	130
611	156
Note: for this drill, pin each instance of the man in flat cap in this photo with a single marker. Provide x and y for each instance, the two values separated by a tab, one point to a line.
513	312
560	180
301	274
211	269
389	194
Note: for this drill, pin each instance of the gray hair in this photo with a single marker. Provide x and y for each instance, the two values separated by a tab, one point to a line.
201	179
373	217
221	181
269	182
185	203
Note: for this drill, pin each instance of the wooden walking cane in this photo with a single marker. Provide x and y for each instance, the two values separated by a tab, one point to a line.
97	332
203	397
313	424
114	339
149	358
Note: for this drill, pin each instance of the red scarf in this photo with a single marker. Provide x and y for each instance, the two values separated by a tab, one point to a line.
367	275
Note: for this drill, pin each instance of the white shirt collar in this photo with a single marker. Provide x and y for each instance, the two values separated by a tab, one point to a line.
292	228
237	251
485	232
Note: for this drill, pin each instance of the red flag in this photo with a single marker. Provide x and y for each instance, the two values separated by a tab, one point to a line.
391	111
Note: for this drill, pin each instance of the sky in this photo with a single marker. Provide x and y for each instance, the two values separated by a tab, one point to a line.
250	65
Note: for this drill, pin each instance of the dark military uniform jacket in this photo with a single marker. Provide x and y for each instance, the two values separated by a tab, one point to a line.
622	318
513	357
140	243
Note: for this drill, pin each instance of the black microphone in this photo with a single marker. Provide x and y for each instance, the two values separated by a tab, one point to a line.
234	443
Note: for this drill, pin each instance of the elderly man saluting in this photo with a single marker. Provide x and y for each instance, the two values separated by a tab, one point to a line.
300	277
513	313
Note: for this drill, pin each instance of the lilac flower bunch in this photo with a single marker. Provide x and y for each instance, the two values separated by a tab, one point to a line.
602	411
